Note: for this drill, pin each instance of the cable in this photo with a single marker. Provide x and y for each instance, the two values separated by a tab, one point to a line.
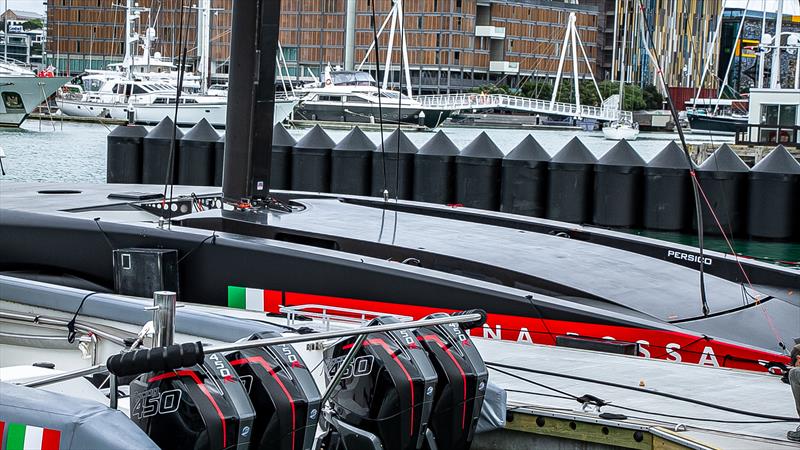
214	241
563	393
71	324
380	105
644	29
108	240
494	366
182	39
399	109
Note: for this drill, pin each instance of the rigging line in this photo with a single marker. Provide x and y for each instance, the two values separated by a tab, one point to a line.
641	390
542	385
380	105
399	18
645	33
183	38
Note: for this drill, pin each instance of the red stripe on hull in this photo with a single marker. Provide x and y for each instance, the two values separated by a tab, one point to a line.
660	344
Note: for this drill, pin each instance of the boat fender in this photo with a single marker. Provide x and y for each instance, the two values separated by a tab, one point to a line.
156	359
613	416
473	324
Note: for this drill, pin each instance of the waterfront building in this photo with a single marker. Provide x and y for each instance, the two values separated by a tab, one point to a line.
452	44
25	36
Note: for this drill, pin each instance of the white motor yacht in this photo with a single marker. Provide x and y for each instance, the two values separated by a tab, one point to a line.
21	91
149	102
353	97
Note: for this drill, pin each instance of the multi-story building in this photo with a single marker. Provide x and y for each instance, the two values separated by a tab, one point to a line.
24	38
452	44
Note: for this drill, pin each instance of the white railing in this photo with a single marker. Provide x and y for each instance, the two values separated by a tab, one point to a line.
488	101
327	314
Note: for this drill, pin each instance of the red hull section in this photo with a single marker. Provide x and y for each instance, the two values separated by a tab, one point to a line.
687	347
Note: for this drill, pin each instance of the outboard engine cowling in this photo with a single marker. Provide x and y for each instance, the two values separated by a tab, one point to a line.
387	391
283	393
461	386
204	406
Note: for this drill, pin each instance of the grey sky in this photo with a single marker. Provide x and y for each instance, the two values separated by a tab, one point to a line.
24	5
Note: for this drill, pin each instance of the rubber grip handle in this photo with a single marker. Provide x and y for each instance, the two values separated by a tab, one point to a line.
474	323
156	359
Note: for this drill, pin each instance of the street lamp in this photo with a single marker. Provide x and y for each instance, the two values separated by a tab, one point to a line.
792	46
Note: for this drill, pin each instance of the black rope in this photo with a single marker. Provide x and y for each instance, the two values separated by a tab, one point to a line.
213	238
105	235
494	366
71	324
182	39
399	112
378	84
695	182
566	394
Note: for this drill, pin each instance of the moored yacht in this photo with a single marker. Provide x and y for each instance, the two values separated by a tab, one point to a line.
21	91
115	97
347	96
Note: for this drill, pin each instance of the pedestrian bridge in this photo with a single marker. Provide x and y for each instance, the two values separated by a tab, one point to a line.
491	101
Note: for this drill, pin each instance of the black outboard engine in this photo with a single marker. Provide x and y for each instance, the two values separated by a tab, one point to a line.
283	393
462	383
204	406
385	397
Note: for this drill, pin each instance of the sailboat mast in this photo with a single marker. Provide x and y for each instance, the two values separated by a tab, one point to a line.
762	53
775	73
622	56
248	140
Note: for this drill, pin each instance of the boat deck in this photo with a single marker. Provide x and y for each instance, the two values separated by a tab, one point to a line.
740	390
590	274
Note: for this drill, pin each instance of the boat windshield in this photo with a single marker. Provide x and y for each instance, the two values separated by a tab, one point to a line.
92	84
352	79
394	95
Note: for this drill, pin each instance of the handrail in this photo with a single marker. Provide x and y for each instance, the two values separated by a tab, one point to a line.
486	101
750	134
346	315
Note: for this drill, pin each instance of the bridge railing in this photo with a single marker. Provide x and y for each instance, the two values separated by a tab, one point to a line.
486	101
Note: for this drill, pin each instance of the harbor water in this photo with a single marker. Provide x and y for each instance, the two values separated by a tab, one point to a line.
56	152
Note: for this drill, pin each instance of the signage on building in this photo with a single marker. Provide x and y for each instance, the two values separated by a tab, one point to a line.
15	29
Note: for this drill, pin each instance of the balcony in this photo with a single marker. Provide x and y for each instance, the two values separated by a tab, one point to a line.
509	67
489	31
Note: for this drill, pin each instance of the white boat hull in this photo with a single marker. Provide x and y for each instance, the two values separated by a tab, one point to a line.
619	133
188	114
20	95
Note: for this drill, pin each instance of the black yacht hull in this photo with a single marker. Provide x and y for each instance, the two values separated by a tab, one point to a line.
355	113
716	124
284	264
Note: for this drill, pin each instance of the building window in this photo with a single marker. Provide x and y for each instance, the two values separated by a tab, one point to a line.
458	5
458	23
456	57
419	22
510	45
290	53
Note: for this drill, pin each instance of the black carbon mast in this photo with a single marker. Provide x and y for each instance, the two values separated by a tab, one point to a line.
251	103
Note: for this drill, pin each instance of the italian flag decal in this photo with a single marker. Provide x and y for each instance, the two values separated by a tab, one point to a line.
26	437
254	299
